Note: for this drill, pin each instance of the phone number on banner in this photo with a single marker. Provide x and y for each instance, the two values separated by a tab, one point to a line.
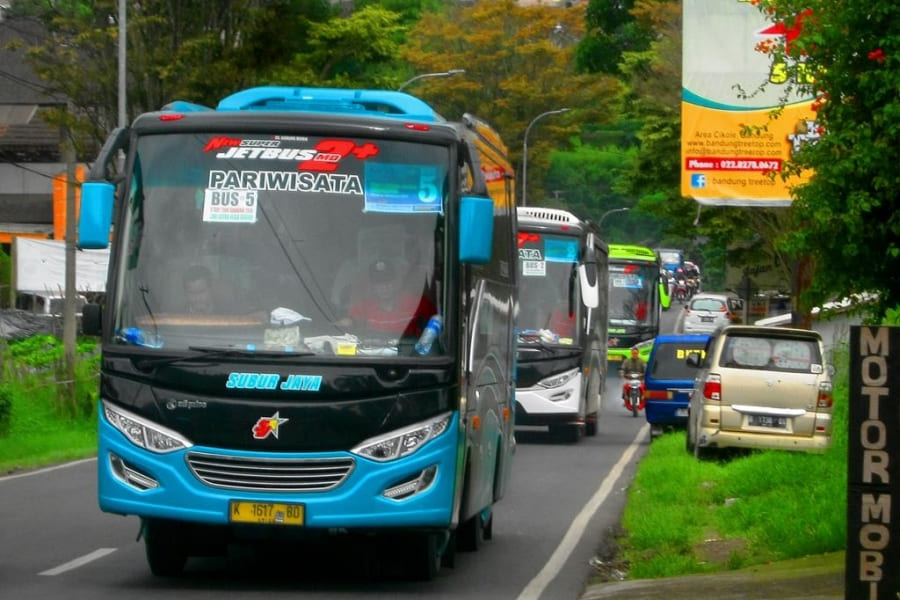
733	164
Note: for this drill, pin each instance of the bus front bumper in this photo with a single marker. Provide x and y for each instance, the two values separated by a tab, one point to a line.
134	481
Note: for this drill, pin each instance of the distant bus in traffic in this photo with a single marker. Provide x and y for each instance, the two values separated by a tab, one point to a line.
638	294
561	323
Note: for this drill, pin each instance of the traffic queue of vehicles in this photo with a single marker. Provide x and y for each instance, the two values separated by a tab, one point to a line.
314	326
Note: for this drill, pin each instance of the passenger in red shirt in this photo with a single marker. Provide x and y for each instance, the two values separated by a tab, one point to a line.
391	309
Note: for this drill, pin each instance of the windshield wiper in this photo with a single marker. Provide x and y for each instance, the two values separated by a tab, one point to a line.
212	352
538	343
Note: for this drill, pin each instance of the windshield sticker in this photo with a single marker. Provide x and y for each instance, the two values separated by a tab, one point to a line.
403	188
285	181
683	353
525	237
561	250
324	157
534	268
229	206
630	282
532	262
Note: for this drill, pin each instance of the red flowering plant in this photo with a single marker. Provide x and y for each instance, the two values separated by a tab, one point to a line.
847	214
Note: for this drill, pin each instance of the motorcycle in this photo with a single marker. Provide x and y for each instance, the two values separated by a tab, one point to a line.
681	291
633	392
693	286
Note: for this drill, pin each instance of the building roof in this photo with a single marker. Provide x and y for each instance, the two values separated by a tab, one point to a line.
20	84
24	136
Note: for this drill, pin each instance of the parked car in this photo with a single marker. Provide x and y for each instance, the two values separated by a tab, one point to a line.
707	311
47	304
669	380
761	387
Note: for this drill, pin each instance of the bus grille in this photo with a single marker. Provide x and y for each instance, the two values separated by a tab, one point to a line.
270	474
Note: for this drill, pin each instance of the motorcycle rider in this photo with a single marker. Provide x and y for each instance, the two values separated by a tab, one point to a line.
633	364
681	285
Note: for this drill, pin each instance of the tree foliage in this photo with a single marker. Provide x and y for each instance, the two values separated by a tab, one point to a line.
848	214
612	29
518	63
198	51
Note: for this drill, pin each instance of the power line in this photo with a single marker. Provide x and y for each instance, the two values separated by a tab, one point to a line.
22	166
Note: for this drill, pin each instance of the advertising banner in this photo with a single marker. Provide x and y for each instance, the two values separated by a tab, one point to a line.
732	150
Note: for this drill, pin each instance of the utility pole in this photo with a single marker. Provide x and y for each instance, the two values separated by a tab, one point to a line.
69	318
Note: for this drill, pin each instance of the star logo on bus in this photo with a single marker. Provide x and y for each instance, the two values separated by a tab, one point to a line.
267	426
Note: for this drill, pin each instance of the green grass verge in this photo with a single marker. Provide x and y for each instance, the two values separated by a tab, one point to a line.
40	423
698	516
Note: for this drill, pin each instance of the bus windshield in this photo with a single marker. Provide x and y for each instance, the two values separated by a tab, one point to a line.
548	310
283	243
632	294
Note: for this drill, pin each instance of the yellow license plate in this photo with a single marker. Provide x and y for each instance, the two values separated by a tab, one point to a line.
267	513
616	357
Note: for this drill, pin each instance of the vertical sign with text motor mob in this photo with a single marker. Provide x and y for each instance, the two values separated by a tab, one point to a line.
873	473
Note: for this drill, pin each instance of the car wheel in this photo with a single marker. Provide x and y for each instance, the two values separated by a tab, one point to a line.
571	433
165	546
689	436
424	556
470	534
590	425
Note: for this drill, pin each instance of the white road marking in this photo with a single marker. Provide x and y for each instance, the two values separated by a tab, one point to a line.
47	469
78	562
536	586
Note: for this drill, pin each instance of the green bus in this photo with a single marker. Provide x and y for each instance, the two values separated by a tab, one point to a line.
637	296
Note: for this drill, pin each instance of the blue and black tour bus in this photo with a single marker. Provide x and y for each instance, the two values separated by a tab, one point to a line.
308	330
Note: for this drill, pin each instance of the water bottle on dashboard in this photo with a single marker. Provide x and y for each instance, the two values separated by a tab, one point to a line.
429	334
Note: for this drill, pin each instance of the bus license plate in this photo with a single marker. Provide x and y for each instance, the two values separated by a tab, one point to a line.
767	421
267	513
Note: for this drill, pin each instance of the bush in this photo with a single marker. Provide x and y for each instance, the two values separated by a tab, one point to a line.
37	366
5	408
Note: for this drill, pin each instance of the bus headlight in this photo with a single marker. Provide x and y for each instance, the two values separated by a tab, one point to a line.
558	380
403	442
142	432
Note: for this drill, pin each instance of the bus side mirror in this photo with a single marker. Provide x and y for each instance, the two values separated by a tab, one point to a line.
91	319
664	299
95	216
476	229
590	292
588	276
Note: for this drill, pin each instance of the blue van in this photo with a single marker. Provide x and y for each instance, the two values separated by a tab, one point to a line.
669	380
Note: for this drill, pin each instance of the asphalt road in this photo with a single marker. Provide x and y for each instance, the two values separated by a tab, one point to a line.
562	499
55	542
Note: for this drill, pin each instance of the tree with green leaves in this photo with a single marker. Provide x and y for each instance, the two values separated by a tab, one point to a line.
847	216
519	64
611	30
198	52
361	49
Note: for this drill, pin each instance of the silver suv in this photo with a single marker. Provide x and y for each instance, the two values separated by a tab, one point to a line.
706	312
761	387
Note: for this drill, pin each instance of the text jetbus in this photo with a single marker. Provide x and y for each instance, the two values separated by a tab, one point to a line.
637	295
255	382
561	323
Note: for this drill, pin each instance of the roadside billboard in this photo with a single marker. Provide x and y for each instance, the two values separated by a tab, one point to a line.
732	151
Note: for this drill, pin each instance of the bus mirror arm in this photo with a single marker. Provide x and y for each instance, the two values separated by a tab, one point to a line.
98	194
117	140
